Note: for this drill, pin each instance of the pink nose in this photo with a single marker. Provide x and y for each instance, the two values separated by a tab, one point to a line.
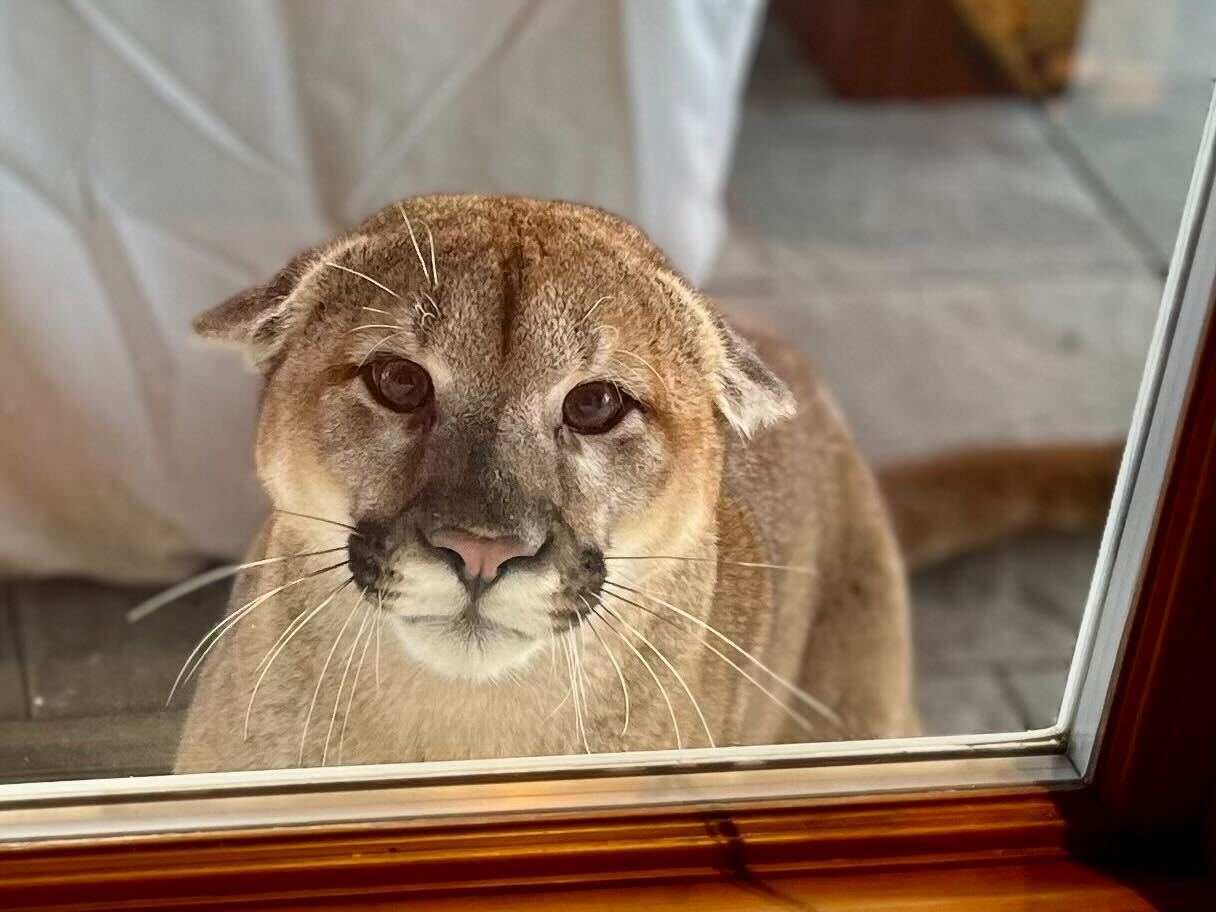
482	557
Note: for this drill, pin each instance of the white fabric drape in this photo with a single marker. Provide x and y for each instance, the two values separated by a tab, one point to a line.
156	157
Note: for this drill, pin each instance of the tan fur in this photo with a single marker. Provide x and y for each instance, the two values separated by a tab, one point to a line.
533	297
956	502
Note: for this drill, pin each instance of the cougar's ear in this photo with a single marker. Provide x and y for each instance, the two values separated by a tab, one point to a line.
750	396
258	320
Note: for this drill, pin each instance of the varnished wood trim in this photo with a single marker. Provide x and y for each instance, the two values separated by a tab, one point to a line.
1156	766
1044	886
855	835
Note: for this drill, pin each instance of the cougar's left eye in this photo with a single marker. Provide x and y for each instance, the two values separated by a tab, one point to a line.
596	407
397	384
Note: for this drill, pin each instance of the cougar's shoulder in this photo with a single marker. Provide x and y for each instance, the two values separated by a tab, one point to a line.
801	496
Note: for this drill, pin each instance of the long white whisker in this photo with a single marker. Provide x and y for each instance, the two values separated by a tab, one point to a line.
553	672
414	240
434	313
789	711
587	315
620	675
298	623
361	275
679	679
321	519
434	269
580	721
565	699
379	625
798	692
581	690
573	692
552	652
367	640
584	690
321	677
385	340
216	632
675	726
566	655
361	326
508	676
809	571
637	357
184	588
377	310
350	657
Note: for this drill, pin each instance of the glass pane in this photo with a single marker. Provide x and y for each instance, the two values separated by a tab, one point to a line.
532	495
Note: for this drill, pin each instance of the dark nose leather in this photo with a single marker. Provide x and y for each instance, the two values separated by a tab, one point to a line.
481	558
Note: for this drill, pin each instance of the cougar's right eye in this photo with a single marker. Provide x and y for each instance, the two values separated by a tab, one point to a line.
595	407
398	384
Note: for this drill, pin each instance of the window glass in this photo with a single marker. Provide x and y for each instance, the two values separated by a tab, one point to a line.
823	455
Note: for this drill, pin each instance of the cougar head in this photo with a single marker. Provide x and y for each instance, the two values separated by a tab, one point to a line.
494	394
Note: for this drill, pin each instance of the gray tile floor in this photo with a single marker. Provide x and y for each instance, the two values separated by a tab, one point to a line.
967	274
961	274
84	690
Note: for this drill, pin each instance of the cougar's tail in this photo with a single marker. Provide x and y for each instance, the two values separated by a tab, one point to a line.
962	501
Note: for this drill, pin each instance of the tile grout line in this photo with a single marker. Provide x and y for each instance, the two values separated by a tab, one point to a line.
1122	219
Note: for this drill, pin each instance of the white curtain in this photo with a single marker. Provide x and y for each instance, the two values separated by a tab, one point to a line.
156	156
